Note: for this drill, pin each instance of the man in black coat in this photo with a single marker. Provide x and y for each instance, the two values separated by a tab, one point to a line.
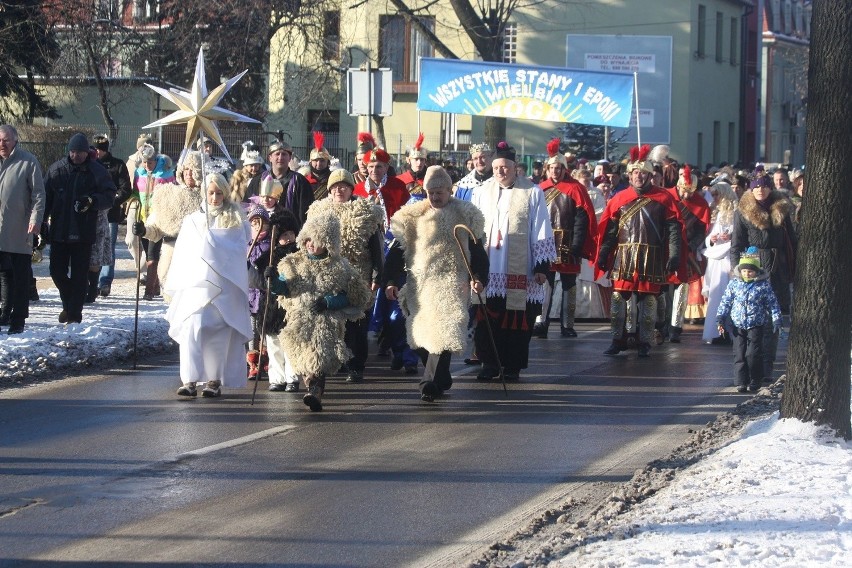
121	178
77	187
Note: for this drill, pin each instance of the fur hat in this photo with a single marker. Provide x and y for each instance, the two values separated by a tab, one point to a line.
270	187
284	221
639	159
418	151
257	211
323	230
318	152
251	154
78	143
504	151
554	157
147	152
101	142
435	177
750	259
277	145
340	175
479	148
366	142
377	155
191	160
143	139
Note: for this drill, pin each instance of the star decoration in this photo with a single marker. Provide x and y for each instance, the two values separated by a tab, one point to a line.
197	108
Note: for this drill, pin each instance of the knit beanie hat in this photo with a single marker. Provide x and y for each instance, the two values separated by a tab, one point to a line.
750	259
435	177
340	175
78	143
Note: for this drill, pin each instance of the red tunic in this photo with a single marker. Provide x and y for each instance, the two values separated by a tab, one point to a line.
413	185
695	213
612	214
393	195
578	194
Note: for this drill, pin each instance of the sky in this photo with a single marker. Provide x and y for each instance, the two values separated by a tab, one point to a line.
778	495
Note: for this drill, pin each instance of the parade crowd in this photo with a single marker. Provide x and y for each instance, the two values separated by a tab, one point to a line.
424	260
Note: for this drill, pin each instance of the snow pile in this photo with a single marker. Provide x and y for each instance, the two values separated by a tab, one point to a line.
779	496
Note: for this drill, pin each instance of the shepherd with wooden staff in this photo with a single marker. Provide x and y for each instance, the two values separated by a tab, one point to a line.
440	276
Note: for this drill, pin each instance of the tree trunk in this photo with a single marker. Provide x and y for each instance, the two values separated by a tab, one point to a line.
818	383
495	130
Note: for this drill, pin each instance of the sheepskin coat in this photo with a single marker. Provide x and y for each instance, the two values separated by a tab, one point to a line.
436	296
312	341
171	204
359	220
770	230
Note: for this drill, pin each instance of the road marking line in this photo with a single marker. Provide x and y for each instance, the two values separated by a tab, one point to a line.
235	442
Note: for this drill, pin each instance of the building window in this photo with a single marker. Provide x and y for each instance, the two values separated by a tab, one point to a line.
735	32
732	142
701	48
717	141
331	36
146	10
720	25
327	122
394	32
510	43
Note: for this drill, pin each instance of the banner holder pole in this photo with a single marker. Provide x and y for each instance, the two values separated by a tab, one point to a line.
636	96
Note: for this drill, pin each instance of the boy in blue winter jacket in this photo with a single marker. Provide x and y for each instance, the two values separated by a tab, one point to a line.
749	299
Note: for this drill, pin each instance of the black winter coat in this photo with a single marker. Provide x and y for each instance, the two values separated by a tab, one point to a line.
121	178
64	184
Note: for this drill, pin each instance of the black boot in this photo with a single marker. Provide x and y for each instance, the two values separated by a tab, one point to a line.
540	330
675	336
92	289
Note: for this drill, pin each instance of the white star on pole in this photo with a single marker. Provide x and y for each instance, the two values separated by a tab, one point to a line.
197	108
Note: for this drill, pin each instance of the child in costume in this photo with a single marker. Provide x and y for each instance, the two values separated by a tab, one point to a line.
258	260
320	290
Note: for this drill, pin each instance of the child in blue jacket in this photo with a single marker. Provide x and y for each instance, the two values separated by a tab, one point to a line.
749	299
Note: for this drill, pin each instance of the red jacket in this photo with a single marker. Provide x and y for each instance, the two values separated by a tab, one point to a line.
393	193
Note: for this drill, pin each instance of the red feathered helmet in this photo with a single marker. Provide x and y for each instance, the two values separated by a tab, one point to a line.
554	156
418	151
639	159
366	142
318	152
687	182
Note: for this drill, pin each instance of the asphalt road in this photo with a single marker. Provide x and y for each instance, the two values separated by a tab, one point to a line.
115	470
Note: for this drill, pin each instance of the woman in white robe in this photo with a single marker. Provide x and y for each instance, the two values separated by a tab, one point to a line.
717	244
209	312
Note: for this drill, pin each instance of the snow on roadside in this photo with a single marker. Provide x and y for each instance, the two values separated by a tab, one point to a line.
103	338
781	495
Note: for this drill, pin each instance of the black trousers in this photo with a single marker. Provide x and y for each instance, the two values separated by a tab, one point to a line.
16	278
69	269
748	356
436	369
356	340
512	340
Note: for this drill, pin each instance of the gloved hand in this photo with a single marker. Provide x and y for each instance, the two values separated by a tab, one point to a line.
319	306
82	204
139	229
269	273
576	252
672	265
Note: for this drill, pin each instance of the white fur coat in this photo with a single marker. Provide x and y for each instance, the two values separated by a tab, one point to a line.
312	341
436	296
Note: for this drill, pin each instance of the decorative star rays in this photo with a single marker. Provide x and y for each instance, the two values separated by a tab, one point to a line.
197	108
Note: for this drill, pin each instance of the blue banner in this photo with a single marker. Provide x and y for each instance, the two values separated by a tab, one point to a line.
526	92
